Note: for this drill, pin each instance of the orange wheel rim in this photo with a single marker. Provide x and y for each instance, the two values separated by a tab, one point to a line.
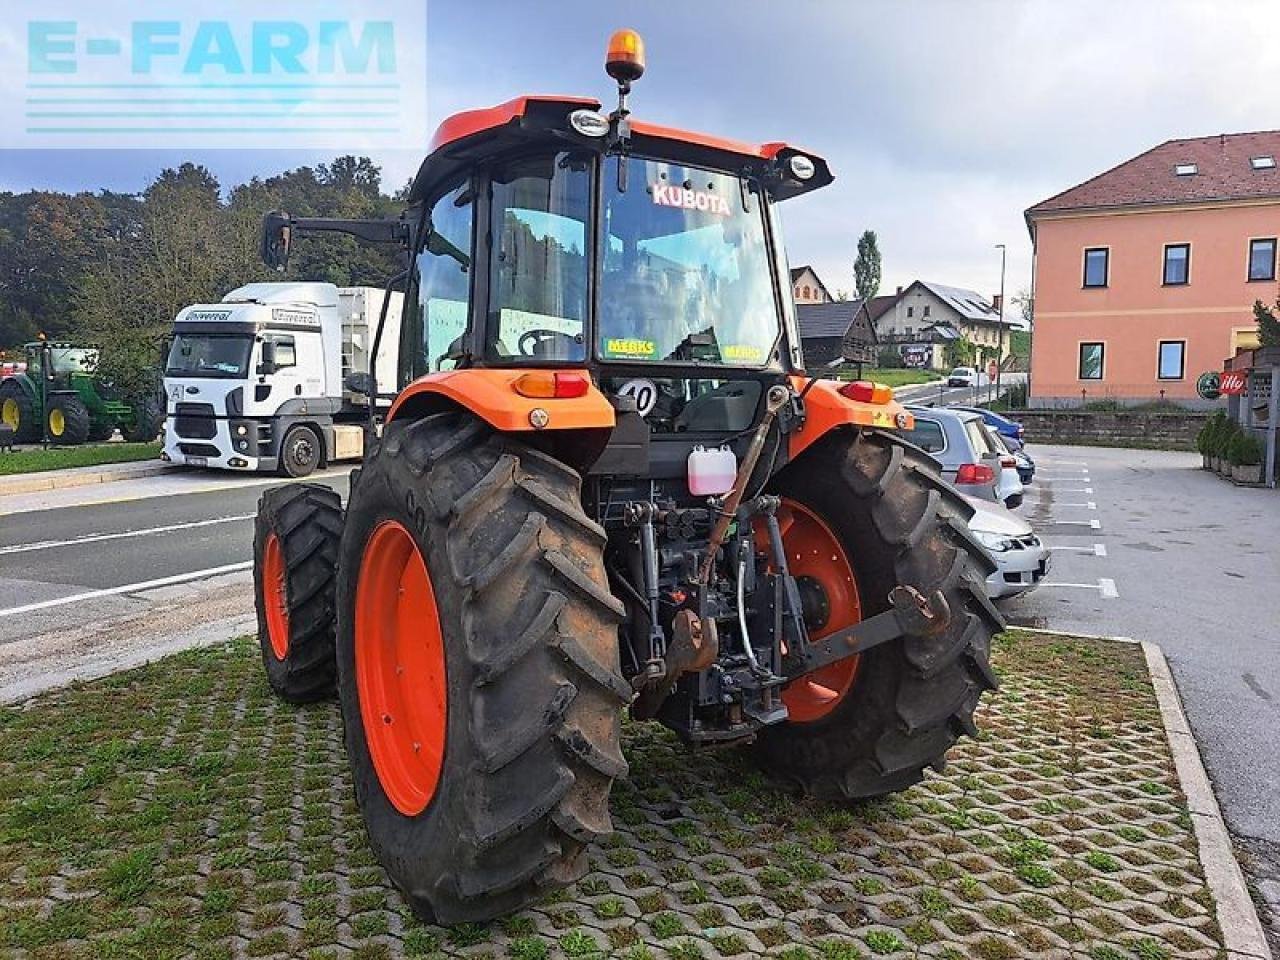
815	552
400	668
275	596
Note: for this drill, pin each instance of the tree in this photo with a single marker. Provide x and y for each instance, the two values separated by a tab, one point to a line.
866	269
1268	324
1026	306
960	352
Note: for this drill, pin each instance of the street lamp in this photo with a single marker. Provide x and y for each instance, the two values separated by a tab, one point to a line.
1000	322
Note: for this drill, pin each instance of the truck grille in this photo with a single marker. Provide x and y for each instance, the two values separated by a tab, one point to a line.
195	420
199	449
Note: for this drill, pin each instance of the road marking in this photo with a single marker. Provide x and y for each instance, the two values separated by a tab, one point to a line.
1097	550
1068	463
1083	506
1083	478
1093	524
1105	586
128	588
1072	490
99	537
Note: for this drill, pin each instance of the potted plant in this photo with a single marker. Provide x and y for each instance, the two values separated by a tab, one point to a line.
1214	430
1229	434
1203	438
1246	458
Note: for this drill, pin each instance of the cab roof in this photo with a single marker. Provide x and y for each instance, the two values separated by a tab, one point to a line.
472	135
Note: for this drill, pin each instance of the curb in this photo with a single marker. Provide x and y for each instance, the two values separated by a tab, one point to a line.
1237	914
63	479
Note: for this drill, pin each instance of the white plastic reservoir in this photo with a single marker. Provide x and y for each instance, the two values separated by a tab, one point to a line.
711	472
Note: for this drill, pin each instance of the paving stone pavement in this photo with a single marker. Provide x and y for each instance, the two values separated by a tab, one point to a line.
179	810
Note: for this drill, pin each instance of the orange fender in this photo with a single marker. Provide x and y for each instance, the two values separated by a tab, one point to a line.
826	409
491	395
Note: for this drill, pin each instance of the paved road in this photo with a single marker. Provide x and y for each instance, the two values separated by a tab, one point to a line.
1149	546
75	544
939	393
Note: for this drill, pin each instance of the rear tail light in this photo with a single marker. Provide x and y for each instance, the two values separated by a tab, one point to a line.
864	391
548	385
975	473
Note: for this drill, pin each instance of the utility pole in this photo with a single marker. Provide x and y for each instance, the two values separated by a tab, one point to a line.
1000	323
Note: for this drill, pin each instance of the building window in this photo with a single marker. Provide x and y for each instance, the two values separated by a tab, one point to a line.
926	309
1095	266
806	291
1172	359
911	311
1262	259
1091	361
1177	263
797	293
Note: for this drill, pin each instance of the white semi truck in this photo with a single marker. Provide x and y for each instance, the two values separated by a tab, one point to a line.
260	380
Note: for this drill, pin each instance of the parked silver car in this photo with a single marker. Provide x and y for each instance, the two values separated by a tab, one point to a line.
964	448
1022	559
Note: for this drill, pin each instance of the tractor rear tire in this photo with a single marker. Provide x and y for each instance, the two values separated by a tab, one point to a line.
295	555
148	414
67	419
101	430
910	699
522	738
19	412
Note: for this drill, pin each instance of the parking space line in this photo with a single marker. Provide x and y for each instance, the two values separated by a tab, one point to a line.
1097	550
1094	524
1105	587
1090	505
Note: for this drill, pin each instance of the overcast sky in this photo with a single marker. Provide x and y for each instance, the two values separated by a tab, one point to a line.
942	119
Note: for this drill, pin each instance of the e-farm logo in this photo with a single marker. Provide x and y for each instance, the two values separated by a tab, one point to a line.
291	73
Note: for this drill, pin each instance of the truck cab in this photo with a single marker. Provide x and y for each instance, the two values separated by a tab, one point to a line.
256	382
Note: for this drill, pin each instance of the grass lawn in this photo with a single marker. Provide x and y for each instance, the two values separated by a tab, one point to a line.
897	377
37	460
181	810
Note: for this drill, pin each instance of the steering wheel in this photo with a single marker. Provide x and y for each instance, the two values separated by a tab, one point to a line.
541	342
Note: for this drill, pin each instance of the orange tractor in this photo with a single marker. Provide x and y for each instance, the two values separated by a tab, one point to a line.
606	484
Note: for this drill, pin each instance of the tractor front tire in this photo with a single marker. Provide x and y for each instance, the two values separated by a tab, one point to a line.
906	702
295	555
18	410
477	667
68	421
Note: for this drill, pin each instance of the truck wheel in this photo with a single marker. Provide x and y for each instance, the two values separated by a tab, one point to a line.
300	452
68	421
862	514
17	410
295	556
148	413
477	667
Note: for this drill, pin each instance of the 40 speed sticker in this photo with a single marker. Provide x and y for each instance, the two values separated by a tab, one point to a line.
644	392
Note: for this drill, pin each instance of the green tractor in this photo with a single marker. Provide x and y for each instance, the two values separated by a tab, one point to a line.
74	406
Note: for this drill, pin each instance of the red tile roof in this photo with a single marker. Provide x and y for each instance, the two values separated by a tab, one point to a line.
1223	172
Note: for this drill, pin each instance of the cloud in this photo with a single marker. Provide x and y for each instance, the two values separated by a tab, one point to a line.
942	119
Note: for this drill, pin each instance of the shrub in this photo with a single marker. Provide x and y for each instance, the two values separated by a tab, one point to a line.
1245	450
1223	436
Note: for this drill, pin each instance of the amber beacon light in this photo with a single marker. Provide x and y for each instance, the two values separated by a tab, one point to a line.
625	59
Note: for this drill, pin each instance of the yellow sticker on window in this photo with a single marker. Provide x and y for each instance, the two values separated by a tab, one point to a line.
743	351
637	349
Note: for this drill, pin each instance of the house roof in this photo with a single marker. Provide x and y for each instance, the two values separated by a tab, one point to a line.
1223	171
797	271
826	319
968	303
879	306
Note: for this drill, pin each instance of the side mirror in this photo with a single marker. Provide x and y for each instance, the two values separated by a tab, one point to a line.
360	383
277	238
268	364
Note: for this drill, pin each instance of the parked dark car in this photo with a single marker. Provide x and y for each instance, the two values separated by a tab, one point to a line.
1001	425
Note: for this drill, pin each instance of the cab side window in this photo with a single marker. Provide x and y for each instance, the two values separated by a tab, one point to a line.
285	350
444	281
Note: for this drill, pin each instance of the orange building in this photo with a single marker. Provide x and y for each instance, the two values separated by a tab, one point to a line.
1146	275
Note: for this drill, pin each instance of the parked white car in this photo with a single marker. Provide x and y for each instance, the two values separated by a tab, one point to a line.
962	377
1022	560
